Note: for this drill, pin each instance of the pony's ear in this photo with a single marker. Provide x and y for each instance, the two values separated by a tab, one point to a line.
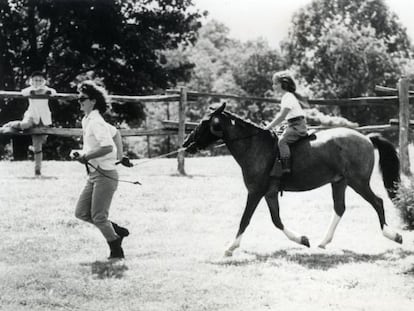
219	109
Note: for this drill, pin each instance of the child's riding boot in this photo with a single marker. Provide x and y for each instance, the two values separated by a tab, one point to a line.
285	165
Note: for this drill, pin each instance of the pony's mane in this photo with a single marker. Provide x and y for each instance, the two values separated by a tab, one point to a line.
236	118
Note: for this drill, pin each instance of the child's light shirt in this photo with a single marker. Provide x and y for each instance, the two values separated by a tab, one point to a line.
98	133
38	109
290	101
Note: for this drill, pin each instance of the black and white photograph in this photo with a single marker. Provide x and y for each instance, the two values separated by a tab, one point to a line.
206	155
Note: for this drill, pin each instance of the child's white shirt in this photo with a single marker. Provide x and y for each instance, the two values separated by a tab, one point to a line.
38	109
290	101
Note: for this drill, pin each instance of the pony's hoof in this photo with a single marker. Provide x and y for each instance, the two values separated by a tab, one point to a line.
398	238
304	241
228	253
322	246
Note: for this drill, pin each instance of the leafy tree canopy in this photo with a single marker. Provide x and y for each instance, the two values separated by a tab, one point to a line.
311	22
121	42
343	48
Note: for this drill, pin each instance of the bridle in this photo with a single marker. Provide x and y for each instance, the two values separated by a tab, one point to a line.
226	141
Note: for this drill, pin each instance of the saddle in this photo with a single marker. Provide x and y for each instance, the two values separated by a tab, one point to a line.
276	170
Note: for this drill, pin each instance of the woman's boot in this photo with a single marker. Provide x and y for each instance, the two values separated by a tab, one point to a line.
116	249
121	231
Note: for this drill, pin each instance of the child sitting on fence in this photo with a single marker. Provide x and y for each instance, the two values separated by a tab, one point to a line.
37	114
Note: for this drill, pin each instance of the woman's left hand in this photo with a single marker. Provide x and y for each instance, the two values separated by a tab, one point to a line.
82	159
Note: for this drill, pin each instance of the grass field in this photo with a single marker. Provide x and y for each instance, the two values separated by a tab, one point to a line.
180	227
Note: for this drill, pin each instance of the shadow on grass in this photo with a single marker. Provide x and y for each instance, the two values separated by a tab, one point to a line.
107	269
409	271
37	177
190	176
317	261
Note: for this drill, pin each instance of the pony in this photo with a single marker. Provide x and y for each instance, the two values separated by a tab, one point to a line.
339	156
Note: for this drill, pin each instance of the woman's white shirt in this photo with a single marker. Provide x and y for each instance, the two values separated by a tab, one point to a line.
98	133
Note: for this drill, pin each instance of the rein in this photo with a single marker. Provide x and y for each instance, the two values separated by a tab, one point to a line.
229	115
241	138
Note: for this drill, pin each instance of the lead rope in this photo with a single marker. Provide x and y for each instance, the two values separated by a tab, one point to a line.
87	164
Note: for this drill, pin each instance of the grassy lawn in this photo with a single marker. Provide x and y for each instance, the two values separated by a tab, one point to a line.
180	227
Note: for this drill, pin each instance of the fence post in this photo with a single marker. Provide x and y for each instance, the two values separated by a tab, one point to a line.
181	128
148	146
404	124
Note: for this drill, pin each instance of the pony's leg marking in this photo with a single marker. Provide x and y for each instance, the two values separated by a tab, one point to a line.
251	204
233	246
292	235
366	192
273	203
331	231
391	234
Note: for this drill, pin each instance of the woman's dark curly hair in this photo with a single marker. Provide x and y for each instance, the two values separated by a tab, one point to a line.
96	92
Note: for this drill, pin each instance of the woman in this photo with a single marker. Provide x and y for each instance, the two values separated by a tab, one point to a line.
99	154
290	110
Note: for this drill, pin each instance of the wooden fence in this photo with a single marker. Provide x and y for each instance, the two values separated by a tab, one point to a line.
183	97
402	98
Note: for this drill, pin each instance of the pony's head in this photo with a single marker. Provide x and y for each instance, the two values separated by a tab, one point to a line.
207	132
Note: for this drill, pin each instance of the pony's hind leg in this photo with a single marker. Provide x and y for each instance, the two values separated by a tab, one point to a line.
252	200
365	191
273	203
338	194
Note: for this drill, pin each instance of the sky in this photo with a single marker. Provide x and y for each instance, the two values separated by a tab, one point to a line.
270	19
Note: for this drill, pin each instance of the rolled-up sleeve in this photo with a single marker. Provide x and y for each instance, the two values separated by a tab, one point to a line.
52	91
101	133
26	91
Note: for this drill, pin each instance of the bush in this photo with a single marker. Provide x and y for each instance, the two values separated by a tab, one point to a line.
314	117
404	201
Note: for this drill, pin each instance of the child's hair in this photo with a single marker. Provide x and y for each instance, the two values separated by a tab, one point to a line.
38	73
96	92
288	84
286	81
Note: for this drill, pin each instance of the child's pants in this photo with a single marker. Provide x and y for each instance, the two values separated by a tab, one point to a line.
292	133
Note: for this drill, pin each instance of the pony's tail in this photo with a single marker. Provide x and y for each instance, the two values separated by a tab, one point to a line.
389	163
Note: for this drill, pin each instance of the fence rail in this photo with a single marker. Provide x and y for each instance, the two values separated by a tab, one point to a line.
117	98
73	132
356	101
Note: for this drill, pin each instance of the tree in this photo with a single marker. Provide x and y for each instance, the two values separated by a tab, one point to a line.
353	62
214	57
254	76
120	42
343	48
312	21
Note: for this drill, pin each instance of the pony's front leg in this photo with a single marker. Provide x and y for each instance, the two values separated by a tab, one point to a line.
273	203
338	194
252	200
